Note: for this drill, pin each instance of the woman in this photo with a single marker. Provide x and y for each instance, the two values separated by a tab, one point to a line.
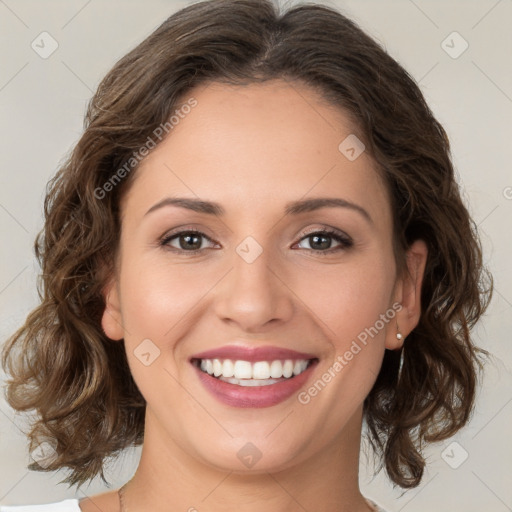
257	245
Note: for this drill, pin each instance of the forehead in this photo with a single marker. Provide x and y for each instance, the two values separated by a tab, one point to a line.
259	145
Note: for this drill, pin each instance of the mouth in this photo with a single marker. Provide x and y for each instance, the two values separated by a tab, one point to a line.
246	374
242	383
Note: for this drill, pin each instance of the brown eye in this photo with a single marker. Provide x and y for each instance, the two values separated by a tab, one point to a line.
321	241
188	241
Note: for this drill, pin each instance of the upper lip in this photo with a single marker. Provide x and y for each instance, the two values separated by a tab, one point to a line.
252	354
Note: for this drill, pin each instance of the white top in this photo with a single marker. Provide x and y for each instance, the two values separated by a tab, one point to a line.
72	506
61	506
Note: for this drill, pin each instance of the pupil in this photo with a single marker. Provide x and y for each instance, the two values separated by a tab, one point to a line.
189	244
324	245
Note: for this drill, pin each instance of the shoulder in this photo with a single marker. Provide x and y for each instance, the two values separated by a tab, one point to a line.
61	506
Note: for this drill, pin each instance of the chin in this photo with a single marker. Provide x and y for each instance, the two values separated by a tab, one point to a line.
251	455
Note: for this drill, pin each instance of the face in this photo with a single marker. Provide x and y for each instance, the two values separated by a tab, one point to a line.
253	275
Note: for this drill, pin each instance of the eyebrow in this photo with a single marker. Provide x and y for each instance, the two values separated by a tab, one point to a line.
291	208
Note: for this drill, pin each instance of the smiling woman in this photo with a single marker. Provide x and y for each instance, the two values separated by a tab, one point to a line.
294	244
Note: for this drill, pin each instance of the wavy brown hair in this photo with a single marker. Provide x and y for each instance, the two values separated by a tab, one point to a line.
62	365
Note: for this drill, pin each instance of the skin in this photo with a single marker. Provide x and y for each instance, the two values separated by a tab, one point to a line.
252	149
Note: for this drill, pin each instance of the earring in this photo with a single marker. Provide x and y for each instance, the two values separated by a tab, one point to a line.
398	334
400	364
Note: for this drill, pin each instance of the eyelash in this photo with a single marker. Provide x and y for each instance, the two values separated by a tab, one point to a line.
344	240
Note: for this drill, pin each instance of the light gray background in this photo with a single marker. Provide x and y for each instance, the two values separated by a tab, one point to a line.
42	103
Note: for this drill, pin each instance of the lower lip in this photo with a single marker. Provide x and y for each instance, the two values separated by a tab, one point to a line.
254	396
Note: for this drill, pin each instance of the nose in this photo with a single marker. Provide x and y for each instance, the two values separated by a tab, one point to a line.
254	295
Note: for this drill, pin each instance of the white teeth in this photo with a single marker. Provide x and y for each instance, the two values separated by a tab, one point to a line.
228	368
217	367
250	382
299	367
288	368
276	369
260	371
243	370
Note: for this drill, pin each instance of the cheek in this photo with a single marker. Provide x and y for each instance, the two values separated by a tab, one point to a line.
157	297
158	302
349	299
354	311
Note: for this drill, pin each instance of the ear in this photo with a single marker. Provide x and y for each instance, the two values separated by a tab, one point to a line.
408	294
111	320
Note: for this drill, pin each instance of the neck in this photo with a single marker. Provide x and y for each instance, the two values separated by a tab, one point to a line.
169	476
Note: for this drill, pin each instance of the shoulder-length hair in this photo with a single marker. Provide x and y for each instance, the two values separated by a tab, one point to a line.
62	365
